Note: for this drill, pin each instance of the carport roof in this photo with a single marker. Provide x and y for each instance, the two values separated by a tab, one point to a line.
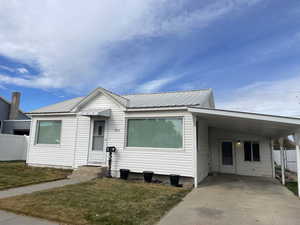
259	124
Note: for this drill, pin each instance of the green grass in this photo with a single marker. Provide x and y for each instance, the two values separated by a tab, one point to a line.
293	186
101	201
16	174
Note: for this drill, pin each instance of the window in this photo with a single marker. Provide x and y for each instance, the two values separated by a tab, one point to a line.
247	150
48	132
155	133
251	151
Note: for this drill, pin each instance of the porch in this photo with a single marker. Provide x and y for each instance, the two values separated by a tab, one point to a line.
239	143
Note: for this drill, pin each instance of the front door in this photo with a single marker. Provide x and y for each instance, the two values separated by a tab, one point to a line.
96	151
227	159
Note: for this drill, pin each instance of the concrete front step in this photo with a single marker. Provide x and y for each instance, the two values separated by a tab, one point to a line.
90	172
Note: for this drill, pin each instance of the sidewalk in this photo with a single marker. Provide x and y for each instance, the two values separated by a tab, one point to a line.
8	218
38	187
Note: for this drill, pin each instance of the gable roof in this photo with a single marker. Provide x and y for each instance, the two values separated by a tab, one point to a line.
201	98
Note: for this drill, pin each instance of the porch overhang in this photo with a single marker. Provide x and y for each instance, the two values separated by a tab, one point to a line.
258	124
95	112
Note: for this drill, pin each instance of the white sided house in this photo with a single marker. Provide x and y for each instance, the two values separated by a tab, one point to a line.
167	133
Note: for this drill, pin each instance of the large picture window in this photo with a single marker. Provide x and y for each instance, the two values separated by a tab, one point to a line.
155	133
48	132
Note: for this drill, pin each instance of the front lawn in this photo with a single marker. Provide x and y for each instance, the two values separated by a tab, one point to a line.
293	186
15	174
101	201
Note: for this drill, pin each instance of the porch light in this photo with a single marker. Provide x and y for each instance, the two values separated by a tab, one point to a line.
238	142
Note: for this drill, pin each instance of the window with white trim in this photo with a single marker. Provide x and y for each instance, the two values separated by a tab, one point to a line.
48	132
155	133
251	151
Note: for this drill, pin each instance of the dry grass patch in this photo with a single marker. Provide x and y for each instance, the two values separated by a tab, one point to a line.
101	201
15	174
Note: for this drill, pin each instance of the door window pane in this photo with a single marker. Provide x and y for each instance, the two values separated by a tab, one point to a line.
155	132
48	132
227	153
247	150
98	136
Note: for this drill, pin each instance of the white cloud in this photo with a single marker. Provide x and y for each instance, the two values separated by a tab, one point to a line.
71	41
275	97
22	70
155	85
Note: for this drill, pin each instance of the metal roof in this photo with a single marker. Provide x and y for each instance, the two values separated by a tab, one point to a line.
65	106
199	98
178	98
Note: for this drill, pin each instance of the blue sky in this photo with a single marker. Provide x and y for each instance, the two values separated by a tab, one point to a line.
248	51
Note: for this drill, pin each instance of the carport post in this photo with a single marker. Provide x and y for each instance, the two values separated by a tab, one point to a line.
272	158
282	161
297	142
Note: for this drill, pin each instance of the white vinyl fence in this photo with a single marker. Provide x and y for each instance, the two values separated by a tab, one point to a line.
290	159
13	147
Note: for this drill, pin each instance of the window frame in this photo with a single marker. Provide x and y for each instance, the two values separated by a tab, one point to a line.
129	148
259	148
37	132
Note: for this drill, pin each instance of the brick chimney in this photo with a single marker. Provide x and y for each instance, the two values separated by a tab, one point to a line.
14	106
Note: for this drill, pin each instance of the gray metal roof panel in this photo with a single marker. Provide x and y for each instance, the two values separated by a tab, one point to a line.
167	99
64	106
182	98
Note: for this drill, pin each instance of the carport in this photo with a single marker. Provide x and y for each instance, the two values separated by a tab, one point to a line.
268	126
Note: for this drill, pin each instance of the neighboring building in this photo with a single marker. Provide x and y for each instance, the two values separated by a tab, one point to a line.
167	133
12	119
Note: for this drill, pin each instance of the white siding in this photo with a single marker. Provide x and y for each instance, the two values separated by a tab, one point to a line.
114	128
61	155
202	150
82	141
160	161
262	168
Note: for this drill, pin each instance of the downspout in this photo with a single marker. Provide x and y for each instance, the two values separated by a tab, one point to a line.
1	126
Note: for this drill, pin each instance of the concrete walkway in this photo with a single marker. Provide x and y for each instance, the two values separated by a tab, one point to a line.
236	200
38	187
7	218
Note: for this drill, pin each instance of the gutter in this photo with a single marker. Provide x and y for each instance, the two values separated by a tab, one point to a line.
156	109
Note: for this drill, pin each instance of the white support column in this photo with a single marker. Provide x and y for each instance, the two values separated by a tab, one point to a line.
272	158
195	151
297	142
282	161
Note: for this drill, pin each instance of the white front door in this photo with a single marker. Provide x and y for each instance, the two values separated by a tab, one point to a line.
227	157
97	151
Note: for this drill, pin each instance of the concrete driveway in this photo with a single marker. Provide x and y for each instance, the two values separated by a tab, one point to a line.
236	200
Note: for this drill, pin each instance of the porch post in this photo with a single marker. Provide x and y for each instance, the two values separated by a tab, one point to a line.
272	158
195	151
297	142
282	161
